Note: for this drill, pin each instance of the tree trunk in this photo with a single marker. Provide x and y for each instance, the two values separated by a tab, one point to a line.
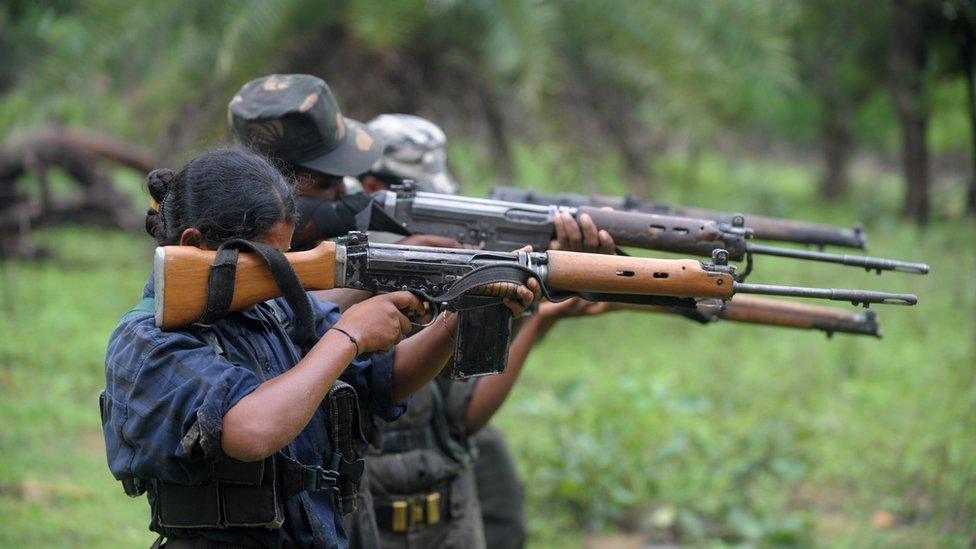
906	64
836	142
915	161
967	51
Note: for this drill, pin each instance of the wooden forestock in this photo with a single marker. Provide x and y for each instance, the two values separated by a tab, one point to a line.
773	312
181	273
758	310
614	274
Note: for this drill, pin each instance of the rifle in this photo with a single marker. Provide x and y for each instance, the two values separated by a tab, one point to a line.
472	282
764	228
772	312
499	225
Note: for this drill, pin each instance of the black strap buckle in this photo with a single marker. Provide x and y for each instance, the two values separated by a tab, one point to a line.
319	478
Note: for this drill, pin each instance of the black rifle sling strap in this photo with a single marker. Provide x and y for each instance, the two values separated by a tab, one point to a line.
220	283
489	274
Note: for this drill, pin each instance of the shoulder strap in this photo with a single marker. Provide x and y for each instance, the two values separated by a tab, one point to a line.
220	284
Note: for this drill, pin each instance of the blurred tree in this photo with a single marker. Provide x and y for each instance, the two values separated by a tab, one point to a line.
610	76
837	47
961	25
907	61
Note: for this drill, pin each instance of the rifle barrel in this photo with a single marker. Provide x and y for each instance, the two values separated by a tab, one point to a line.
869	263
853	296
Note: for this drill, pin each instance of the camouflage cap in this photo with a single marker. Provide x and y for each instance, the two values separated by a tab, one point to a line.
416	149
295	118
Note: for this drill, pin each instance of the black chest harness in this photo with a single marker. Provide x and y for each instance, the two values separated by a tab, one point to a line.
248	494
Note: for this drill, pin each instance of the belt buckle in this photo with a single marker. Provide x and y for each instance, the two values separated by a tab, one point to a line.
317	478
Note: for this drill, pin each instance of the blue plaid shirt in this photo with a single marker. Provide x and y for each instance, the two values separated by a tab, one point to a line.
167	393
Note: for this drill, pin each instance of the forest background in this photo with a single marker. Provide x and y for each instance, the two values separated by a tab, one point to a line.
629	425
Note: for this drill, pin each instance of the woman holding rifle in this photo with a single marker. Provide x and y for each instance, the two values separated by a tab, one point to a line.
244	432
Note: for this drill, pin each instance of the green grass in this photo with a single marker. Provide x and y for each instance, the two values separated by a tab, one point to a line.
627	422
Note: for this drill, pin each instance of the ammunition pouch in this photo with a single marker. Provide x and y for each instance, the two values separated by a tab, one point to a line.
238	494
415	512
251	494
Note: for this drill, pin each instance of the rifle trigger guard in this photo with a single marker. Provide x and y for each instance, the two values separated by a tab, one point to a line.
434	310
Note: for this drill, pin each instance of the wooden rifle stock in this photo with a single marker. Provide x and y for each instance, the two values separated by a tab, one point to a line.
181	274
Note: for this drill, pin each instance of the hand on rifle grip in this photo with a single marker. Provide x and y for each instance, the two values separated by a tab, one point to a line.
379	322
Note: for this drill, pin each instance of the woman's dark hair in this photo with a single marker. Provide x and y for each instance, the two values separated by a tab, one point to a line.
223	193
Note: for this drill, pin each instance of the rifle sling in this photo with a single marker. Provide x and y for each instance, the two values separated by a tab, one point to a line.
220	282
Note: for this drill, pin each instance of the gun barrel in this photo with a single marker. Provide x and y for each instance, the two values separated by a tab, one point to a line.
763	227
869	263
786	230
852	296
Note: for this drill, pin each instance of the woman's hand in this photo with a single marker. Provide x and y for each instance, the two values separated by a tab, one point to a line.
379	323
526	293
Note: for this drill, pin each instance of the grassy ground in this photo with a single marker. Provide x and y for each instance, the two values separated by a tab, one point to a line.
630	422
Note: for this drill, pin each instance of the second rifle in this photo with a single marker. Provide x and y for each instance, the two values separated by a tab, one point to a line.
771	312
499	225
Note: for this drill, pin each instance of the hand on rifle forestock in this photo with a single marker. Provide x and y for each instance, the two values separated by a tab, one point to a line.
527	293
580	237
380	322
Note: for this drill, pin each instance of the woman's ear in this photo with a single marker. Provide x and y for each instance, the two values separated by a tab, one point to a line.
192	237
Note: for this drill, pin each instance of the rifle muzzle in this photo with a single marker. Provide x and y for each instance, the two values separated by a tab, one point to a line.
868	263
856	297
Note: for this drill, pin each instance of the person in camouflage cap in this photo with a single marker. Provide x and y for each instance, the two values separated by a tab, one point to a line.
440	461
416	149
294	118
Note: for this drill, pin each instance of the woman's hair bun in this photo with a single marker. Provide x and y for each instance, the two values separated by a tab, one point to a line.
159	182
